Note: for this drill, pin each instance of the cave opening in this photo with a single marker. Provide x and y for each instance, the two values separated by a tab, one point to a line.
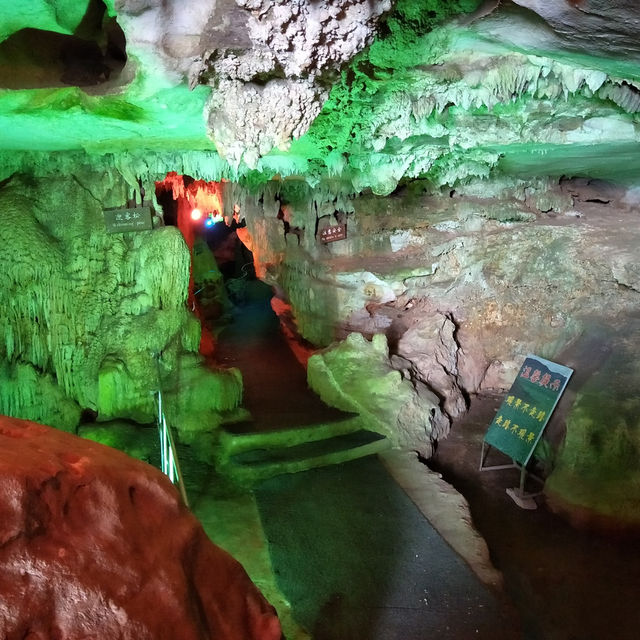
223	276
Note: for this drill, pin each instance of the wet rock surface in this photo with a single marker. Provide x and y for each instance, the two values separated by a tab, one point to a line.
464	284
357	376
96	544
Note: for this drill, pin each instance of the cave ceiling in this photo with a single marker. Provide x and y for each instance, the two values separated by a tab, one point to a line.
358	94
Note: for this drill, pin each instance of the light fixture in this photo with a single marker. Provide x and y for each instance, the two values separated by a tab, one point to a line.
196	214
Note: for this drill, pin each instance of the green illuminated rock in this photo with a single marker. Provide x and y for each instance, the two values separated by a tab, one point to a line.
356	376
435	96
596	479
463	143
62	16
96	321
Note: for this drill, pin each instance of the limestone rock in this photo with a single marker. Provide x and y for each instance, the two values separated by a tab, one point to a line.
270	93
62	18
96	544
91	320
432	350
263	58
356	375
595	481
608	26
247	120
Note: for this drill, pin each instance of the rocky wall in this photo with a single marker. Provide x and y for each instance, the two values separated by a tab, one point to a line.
465	282
96	544
95	322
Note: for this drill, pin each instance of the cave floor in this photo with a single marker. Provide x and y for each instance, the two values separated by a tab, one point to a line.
275	386
342	550
358	561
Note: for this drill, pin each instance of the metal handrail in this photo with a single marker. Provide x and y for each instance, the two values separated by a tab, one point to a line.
168	453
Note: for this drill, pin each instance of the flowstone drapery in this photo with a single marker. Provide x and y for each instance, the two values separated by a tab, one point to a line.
96	321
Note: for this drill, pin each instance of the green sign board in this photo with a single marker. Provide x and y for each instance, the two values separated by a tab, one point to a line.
522	417
124	220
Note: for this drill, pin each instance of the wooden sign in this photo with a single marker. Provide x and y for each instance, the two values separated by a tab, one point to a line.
125	220
333	233
522	417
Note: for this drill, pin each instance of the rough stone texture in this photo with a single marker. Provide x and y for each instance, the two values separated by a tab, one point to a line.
96	544
263	58
296	41
64	17
431	351
485	113
596	474
84	314
607	26
465	283
248	120
356	376
308	37
433	96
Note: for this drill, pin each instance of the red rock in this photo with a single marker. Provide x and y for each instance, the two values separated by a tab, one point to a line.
94	544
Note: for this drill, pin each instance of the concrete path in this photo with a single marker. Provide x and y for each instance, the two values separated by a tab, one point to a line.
358	561
353	555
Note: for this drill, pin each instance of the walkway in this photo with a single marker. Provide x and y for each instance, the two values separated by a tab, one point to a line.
275	383
358	561
350	551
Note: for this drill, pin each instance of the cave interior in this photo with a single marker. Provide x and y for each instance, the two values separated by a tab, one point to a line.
325	230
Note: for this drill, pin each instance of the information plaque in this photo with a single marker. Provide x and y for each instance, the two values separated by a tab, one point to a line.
522	417
333	233
125	220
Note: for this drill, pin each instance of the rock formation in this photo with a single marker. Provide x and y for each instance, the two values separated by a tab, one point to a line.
483	155
94	321
356	376
96	544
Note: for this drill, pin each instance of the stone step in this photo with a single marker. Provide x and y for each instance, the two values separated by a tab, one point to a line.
250	465
233	443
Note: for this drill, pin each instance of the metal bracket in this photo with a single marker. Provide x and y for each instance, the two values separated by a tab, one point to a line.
523	499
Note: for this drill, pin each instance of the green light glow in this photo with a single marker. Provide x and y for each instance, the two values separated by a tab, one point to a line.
69	119
430	98
61	16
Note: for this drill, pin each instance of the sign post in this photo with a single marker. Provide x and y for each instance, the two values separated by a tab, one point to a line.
521	419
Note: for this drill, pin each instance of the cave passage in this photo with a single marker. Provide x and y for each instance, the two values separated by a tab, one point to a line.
275	385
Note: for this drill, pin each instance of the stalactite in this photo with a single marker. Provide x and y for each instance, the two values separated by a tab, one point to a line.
70	294
625	95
